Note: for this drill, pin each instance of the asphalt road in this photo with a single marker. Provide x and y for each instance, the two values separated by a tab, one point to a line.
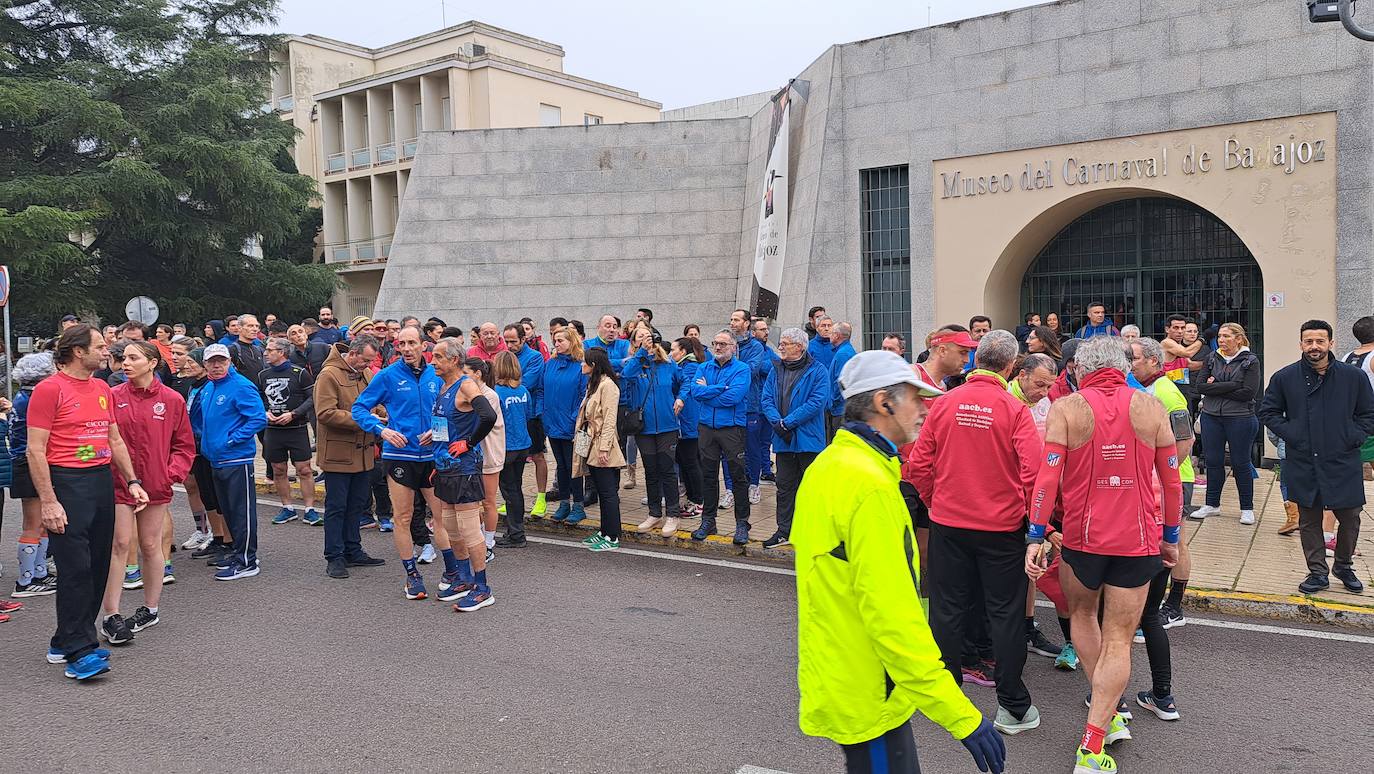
587	663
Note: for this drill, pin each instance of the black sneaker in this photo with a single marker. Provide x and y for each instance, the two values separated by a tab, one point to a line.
38	588
363	560
491	556
1350	580
210	550
506	542
337	569
741	535
224	559
116	631
1037	643
1171	616
1314	583
778	539
768	477
142	619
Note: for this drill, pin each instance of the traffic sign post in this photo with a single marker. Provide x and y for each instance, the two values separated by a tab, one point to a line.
142	309
5	301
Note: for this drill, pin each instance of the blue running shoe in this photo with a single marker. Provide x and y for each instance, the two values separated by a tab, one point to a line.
88	666
564	508
479	598
133	579
235	571
415	586
456	590
56	656
312	517
285	515
577	515
385	525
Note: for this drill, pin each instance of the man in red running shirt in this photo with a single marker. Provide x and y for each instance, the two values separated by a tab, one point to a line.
1105	443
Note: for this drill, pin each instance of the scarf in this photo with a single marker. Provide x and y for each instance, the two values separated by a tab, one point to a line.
1146	382
792	371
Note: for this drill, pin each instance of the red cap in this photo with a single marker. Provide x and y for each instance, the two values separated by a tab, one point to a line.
957	338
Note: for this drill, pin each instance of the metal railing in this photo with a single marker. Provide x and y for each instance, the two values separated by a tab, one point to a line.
376	248
359	158
386	154
408	148
335	163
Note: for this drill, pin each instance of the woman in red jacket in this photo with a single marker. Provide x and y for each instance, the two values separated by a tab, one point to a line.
153	421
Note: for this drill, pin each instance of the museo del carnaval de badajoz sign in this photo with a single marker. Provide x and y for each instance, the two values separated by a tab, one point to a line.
1286	155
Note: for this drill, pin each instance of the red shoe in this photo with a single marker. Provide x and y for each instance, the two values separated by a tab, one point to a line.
4	617
1331	548
978	676
7	606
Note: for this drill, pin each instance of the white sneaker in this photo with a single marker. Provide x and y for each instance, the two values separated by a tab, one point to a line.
754	495
426	555
727	499
1204	512
1247	517
194	541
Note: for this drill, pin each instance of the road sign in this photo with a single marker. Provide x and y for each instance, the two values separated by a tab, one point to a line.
4	285
142	309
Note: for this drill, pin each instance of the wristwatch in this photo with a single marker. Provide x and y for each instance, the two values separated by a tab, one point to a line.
133	481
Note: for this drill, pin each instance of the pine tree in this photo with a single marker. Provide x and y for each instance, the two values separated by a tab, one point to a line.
135	159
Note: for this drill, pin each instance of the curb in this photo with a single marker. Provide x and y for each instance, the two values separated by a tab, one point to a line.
1281	607
715	545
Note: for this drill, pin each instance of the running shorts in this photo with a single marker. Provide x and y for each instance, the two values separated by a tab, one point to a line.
410	474
21	485
280	443
1126	572
535	427
457	488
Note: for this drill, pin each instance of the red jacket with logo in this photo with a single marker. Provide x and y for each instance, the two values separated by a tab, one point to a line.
157	431
976	460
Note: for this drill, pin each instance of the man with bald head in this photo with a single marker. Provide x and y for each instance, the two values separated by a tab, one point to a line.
488	342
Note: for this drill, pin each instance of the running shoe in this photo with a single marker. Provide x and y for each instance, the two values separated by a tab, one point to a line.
561	513
312	517
501	509
88	666
195	541
415	586
207	550
133	579
1068	658
1331	548
1139	637
225	558
577	515
1122	708
1204	512
606	544
285	515
777	540
56	656
1247	517
7	606
385	525
541	505
754	494
1036	642
1094	763
769	477
491	556
593	539
116	630
235	570
741	537
479	598
691	510
457	589
1171	616
426	554
38	588
727	499
1010	725
1164	708
167	577
1117	730
977	676
142	619
367	522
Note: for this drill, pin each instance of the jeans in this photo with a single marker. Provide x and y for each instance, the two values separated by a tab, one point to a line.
631	450
1238	433
791	467
607	483
568	487
239	506
82	553
660	479
512	480
726	445
758	435
345	498
689	465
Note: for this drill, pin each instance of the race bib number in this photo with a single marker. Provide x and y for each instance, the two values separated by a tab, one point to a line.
439	430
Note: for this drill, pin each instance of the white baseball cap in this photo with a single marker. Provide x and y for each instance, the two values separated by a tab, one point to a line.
216	350
878	368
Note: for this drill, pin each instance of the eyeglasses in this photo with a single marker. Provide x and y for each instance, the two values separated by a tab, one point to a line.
722	344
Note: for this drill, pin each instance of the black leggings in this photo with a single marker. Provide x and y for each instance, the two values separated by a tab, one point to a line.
607	483
563	461
657	453
1156	639
512	479
893	753
689	465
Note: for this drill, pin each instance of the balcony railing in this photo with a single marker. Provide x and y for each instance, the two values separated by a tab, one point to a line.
408	148
286	103
386	154
359	158
342	252
361	250
335	163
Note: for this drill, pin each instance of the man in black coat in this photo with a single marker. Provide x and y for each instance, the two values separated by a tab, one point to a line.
1323	409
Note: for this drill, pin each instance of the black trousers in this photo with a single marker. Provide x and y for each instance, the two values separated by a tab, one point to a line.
419	531
716	444
790	468
205	482
891	753
607	484
958	559
380	504
511	481
568	487
832	424
689	467
1156	639
1314	543
656	454
82	553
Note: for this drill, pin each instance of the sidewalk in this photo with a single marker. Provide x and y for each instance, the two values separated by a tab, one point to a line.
1236	569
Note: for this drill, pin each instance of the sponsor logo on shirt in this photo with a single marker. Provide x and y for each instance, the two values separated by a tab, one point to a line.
1115	482
1113	451
159	408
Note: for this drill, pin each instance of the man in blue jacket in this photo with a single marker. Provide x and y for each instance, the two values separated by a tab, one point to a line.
795	398
755	354
532	378
844	350
820	347
407	389
722	390
227	415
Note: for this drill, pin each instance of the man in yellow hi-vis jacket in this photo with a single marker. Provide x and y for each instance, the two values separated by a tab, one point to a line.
866	658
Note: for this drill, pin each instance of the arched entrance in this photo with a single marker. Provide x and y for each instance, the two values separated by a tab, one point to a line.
1147	258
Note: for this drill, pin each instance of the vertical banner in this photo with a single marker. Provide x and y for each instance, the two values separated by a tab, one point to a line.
5	302
771	249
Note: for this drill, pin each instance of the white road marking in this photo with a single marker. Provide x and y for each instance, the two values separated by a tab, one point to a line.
757	770
671	557
1265	628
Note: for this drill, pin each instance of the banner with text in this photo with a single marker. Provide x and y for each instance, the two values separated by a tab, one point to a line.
771	249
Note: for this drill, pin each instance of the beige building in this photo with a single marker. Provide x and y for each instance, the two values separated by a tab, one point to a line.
361	110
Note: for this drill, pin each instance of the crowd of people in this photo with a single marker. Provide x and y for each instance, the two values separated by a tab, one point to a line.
991	448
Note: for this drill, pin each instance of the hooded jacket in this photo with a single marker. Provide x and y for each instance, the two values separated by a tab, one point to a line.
216	328
760	360
226	416
563	389
689	416
341	446
843	353
805	418
617	351
157	431
409	402
532	378
822	350
654	386
724	397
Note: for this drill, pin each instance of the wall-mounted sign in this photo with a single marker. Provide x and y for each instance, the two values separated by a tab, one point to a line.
1274	300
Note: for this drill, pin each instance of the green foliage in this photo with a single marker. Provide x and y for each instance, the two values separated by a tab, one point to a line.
135	160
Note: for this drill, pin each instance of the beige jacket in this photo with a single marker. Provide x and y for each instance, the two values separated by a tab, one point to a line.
597	417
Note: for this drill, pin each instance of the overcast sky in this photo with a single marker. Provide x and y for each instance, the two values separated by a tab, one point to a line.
679	53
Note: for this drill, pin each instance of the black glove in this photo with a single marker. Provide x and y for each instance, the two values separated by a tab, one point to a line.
782	431
987	748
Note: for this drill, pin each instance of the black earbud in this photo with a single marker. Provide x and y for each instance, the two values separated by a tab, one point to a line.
887	406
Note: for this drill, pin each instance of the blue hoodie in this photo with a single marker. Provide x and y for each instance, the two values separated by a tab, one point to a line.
641	372
822	350
687	418
805	408
563	389
724	397
842	355
409	402
227	416
760	360
532	377
617	351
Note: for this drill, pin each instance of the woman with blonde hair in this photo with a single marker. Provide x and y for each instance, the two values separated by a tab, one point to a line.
515	411
603	461
564	387
1229	383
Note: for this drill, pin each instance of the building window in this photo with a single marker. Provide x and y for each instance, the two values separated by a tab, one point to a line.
590	120
360	305
446	120
550	115
885	249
